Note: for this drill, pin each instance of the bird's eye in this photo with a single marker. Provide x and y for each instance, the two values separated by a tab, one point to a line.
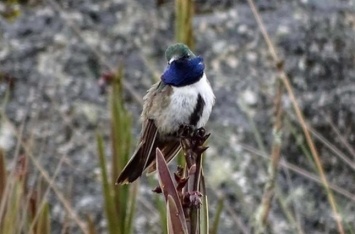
185	56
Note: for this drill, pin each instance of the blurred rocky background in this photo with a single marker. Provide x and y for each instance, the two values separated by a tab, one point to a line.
52	54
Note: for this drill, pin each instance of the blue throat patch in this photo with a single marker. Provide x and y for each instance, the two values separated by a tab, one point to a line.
183	72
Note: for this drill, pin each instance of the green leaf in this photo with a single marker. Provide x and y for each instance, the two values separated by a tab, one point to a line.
184	12
120	201
110	210
131	208
2	175
12	213
204	220
43	224
214	229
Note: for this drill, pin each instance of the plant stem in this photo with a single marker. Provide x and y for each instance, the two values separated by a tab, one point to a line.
269	190
299	114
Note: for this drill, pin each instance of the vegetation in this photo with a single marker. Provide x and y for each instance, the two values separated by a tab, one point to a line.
120	201
184	207
22	209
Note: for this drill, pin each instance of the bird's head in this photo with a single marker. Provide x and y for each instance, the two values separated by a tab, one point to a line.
184	67
177	52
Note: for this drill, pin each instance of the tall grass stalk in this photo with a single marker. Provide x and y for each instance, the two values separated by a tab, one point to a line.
120	201
269	189
184	12
3	175
287	211
21	203
289	88
214	228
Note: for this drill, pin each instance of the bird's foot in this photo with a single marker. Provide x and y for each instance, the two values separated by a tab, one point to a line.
190	131
186	131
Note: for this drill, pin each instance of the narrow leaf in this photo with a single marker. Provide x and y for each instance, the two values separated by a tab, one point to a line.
174	224
44	225
2	174
12	213
107	190
168	187
204	220
220	205
131	207
91	225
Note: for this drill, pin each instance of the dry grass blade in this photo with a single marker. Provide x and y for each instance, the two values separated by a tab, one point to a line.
47	178
269	190
300	171
348	161
59	195
232	214
289	215
292	213
45	194
333	148
2	174
342	138
91	225
204	219
11	178
300	117
315	178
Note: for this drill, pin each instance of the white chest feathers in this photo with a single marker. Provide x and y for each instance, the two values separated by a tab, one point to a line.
184	103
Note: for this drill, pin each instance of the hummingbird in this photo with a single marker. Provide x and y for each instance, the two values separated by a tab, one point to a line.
182	97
